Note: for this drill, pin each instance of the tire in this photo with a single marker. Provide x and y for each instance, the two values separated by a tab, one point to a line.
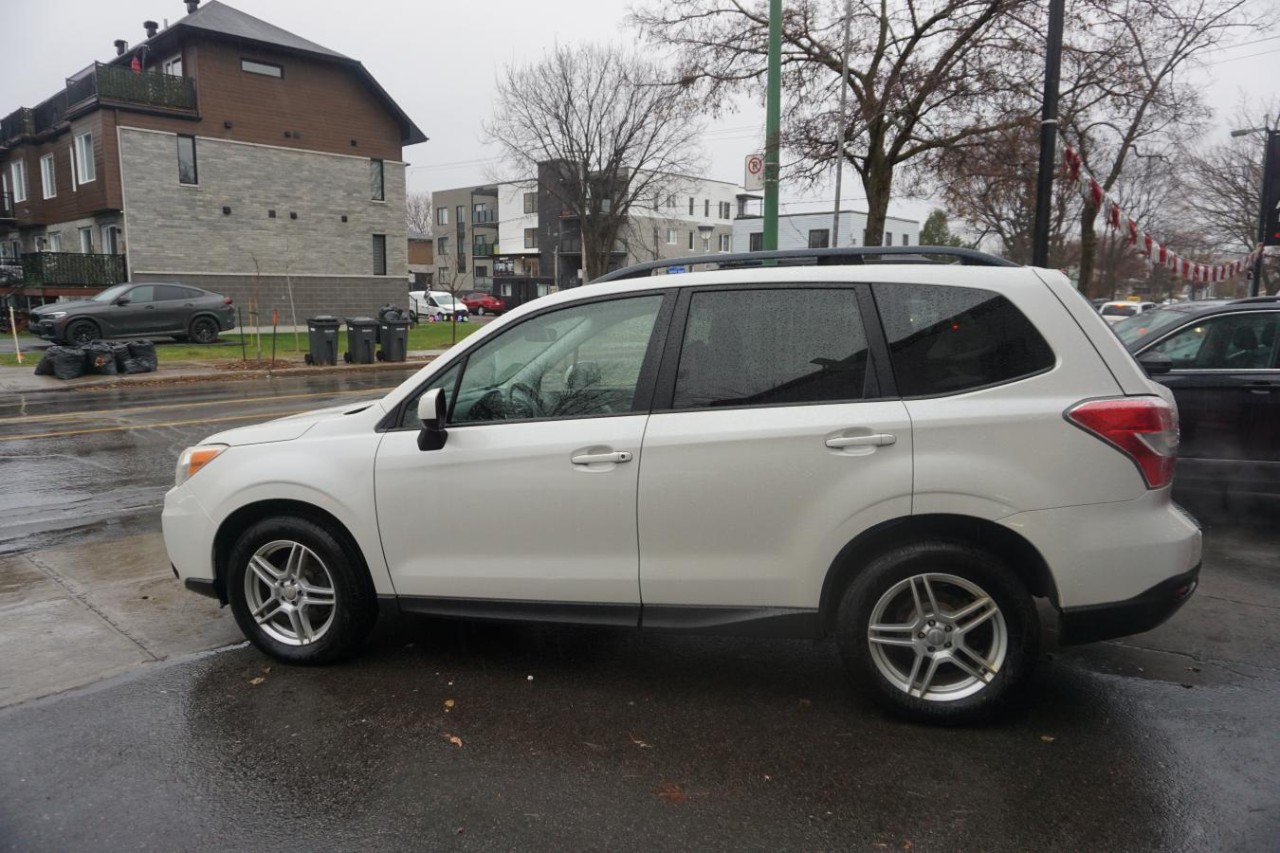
480	311
896	589
204	330
80	332
313	600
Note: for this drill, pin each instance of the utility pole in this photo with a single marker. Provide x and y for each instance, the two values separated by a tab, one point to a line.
1270	201
1048	135
844	122
772	120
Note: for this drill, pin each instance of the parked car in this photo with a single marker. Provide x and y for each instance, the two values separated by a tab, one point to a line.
137	310
481	303
905	459
1114	312
435	303
1221	359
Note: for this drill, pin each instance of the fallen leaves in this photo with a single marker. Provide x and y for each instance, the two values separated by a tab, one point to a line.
671	792
1048	738
639	742
448	705
454	739
256	681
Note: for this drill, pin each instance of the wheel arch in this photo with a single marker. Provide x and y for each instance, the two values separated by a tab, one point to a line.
1021	556
235	524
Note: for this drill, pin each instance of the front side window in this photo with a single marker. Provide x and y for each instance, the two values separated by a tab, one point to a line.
377	192
18	173
379	254
581	361
187	161
142	294
48	180
943	340
86	168
741	349
1243	341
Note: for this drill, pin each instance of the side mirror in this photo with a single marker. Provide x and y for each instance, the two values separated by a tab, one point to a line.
431	411
123	300
1155	363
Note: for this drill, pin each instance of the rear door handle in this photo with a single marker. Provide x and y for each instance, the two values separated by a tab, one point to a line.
880	439
595	458
1261	387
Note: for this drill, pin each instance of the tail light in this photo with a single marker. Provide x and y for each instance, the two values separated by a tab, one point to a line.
227	300
1143	428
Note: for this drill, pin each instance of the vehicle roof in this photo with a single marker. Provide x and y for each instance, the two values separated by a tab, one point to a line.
1210	306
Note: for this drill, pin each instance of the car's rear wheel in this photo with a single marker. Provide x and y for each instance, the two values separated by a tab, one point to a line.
204	330
480	311
80	332
298	593
939	632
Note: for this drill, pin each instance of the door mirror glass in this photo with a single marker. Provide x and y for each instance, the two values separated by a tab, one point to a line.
123	300
1155	363
431	411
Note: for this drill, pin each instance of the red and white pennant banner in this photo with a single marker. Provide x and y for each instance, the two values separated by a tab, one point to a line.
1144	244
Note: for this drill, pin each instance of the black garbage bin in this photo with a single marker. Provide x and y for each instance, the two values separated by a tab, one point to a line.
362	340
393	335
322	335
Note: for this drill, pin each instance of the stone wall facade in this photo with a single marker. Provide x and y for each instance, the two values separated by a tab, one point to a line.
312	295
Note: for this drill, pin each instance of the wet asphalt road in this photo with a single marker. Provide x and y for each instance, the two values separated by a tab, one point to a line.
621	741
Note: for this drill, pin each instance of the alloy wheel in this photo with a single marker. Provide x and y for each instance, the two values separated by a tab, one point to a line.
290	592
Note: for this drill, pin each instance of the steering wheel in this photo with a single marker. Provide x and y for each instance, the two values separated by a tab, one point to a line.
524	401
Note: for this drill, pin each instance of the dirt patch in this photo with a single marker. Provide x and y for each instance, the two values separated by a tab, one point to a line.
261	364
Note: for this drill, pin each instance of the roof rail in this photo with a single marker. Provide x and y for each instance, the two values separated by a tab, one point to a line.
1274	298
819	257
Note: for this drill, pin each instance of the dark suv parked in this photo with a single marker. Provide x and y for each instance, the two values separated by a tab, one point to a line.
132	310
1221	359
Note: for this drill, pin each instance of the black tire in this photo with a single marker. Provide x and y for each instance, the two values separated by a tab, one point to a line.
346	622
204	330
947	703
80	332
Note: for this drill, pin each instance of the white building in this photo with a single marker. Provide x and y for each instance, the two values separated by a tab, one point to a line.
813	231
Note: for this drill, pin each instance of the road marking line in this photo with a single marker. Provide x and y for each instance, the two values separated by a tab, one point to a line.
55	416
258	416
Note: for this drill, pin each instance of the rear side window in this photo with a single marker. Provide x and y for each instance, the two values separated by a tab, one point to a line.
943	340
771	347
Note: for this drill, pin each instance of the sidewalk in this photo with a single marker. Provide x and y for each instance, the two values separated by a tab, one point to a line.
22	380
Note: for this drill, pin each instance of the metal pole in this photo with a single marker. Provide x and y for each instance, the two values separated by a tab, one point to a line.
1268	156
844	119
1048	135
772	120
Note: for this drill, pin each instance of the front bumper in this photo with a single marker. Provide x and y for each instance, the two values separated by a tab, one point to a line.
1143	612
188	539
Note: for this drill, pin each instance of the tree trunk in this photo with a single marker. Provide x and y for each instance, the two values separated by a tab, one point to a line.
877	183
1088	247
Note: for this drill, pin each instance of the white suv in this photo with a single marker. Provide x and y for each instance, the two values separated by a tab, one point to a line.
906	460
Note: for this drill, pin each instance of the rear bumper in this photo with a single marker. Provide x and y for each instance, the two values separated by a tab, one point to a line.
1138	614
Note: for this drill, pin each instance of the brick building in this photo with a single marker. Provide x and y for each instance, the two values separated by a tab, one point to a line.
224	152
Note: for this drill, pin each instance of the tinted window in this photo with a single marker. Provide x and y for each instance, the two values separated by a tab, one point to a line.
581	361
142	293
1228	342
167	292
771	347
949	339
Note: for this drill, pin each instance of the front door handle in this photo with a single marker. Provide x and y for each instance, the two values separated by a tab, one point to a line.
596	458
150	307
880	439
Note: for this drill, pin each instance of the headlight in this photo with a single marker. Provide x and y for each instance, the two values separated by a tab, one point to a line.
53	315
195	458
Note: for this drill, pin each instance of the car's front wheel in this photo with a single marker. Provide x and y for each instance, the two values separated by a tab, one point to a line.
480	311
939	632
80	332
298	593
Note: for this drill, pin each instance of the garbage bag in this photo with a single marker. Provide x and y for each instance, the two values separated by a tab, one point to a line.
136	365
121	351
144	351
45	367
68	363
99	358
392	313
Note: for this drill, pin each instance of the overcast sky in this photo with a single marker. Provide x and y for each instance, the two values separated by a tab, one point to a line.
439	59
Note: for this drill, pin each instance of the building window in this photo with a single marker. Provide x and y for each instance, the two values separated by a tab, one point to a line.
266	69
725	242
48	181
71	166
482	272
55	241
691	206
442	216
671	202
531	238
379	254
706	208
187	161
461	212
888	238
376	190
906	239
530	202
86	168
442	245
18	173
671	236
755	243
86	241
691	240
172	66
819	238
726	210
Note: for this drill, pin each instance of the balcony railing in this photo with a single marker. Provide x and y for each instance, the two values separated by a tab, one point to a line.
114	83
484	217
6	205
16	125
71	269
482	250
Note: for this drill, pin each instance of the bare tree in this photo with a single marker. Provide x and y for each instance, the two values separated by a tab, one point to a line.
924	76
418	212
610	128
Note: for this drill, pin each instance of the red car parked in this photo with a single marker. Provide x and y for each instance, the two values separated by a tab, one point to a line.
480	303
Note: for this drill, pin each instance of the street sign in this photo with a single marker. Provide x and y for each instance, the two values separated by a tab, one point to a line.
1271	190
754	179
675	270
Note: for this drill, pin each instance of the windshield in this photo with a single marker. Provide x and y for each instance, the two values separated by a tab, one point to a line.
1135	329
444	300
111	294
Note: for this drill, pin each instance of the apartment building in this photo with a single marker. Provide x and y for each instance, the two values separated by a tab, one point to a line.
221	151
813	231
